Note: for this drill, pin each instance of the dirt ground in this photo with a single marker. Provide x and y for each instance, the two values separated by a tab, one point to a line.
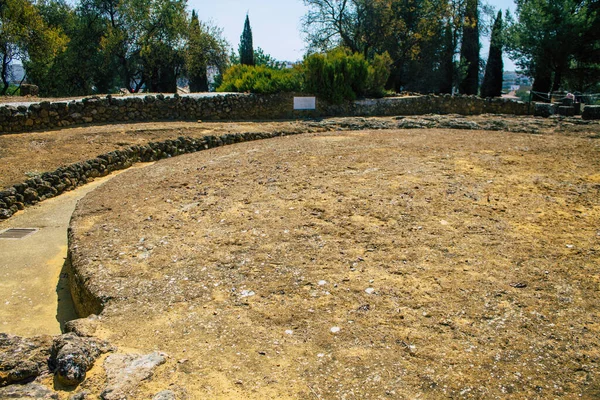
370	264
26	155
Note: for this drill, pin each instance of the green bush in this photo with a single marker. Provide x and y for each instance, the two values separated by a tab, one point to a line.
260	79
379	73
339	75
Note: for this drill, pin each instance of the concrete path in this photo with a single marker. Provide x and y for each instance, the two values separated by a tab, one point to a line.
34	295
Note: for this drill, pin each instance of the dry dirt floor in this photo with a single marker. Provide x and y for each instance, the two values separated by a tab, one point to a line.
27	155
356	265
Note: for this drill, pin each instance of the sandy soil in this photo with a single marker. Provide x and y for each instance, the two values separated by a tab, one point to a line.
372	264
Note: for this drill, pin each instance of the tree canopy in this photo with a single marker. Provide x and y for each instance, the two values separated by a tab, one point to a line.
555	41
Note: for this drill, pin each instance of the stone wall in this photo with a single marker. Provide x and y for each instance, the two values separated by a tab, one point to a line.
96	110
51	184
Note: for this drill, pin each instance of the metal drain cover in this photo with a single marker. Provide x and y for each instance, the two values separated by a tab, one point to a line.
17	233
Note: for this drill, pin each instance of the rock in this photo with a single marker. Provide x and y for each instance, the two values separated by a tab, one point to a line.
29	90
455	124
23	359
591	112
124	372
29	391
566	111
31	196
83	327
80	396
165	395
72	356
5	214
543	110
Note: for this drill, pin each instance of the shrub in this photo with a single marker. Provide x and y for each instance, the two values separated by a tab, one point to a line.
340	75
260	79
337	75
379	73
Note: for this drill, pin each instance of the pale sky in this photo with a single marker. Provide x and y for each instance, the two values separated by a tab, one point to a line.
276	24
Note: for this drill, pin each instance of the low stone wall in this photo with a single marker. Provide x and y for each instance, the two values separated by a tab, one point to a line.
96	110
51	184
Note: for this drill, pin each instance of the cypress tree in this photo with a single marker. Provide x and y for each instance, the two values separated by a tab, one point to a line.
447	64
246	49
492	80
469	51
198	78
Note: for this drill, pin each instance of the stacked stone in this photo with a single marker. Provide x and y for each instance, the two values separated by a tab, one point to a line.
96	110
51	184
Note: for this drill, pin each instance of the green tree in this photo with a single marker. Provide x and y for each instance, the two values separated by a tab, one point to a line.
205	48
246	48
492	80
408	30
25	36
145	39
469	52
552	39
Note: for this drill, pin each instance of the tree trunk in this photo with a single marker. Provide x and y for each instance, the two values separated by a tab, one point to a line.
4	73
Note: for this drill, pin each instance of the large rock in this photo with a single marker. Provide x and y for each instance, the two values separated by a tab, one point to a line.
84	327
124	372
544	110
23	359
591	112
29	90
72	356
29	391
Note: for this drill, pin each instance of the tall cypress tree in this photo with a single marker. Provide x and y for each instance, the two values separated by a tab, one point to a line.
492	80
246	49
447	62
196	58
469	51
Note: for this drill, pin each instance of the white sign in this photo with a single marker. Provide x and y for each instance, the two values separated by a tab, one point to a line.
305	103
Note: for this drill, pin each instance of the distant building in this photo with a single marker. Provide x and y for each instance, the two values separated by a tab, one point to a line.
512	81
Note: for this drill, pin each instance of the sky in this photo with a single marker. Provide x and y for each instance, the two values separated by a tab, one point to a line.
276	24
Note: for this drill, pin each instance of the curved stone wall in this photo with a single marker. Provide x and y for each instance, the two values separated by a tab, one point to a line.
51	184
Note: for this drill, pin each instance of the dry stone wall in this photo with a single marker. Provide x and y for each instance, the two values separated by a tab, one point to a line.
96	110
51	184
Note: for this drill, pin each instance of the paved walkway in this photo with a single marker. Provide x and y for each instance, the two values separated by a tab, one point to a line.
34	296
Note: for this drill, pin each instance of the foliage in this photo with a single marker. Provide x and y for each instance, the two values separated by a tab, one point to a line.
408	30
556	40
246	48
260	79
524	93
379	73
340	75
25	36
205	47
492	80
469	51
260	58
